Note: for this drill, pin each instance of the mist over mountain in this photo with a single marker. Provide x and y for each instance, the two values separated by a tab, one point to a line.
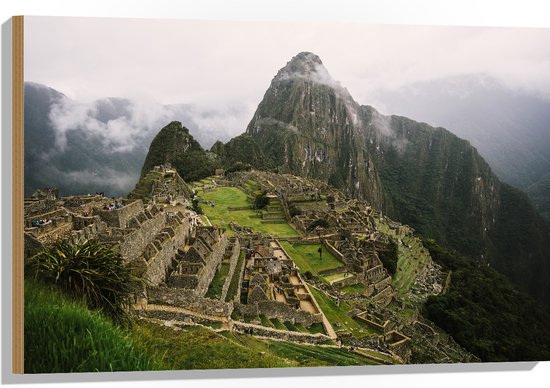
101	145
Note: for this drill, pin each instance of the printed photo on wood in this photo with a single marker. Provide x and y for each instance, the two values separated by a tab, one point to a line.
225	195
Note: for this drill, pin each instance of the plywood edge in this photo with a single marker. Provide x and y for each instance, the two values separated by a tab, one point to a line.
17	194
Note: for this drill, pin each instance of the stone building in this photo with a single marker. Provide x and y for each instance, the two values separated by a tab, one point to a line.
197	266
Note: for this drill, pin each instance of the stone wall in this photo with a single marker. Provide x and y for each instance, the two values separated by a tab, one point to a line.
133	244
182	316
188	300
279	310
170	239
347	281
332	271
383	284
31	245
90	231
39	206
384	297
376	274
53	232
212	262
333	250
80	200
240	279
121	217
294	336
198	266
80	222
233	260
57	215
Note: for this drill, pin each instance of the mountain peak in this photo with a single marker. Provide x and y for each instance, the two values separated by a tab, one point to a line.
306	57
306	66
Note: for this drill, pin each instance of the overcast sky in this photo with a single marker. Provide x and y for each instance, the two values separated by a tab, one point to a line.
225	67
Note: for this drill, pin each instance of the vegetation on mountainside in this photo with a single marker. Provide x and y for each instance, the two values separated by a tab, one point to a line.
239	153
540	195
486	314
433	158
175	145
519	230
442	187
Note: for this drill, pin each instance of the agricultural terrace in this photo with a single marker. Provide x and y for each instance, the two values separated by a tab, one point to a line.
306	257
226	199
338	315
301	355
412	257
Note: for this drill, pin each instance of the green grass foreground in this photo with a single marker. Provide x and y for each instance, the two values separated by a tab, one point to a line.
233	197
199	348
63	336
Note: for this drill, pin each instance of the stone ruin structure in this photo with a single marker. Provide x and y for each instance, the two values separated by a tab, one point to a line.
145	236
168	245
361	259
197	265
357	219
272	286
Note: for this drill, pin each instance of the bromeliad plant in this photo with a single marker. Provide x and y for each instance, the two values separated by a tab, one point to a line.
87	270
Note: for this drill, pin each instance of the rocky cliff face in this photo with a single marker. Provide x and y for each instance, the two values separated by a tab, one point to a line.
310	126
434	180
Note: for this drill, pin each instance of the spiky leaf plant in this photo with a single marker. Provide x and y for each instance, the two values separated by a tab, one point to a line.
87	270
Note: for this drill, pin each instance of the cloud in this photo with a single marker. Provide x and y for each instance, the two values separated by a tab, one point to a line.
122	125
130	122
117	182
188	64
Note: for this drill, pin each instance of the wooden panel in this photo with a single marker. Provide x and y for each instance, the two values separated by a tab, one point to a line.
17	194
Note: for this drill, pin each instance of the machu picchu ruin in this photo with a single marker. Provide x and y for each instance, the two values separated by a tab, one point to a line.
304	268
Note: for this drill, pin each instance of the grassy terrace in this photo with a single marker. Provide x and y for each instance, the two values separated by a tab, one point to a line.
215	288
300	355
200	348
253	186
338	315
234	285
410	261
355	288
307	258
274	323
337	277
231	197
